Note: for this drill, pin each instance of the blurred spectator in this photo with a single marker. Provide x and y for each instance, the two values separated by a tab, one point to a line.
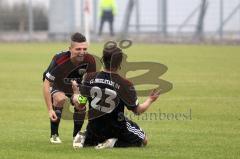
107	13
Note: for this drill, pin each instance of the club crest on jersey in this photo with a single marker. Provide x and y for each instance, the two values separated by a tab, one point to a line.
81	71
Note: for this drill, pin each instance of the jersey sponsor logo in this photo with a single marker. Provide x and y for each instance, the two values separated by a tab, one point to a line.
68	80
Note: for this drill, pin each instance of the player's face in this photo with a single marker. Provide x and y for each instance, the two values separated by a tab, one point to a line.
78	49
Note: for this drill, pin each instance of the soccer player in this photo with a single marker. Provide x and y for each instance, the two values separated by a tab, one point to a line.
108	93
64	67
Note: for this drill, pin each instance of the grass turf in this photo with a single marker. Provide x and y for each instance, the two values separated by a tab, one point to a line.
205	81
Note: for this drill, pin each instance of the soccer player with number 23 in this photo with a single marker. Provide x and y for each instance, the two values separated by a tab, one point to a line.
108	93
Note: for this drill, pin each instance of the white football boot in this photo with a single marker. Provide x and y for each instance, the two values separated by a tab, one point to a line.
78	140
109	143
55	139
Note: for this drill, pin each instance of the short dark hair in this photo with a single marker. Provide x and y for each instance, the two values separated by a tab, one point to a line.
78	37
112	57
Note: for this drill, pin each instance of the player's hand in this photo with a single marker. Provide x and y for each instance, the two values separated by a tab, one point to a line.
153	96
77	105
75	99
80	107
75	87
52	115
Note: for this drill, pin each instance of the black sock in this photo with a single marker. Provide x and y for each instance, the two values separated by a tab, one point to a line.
55	124
78	120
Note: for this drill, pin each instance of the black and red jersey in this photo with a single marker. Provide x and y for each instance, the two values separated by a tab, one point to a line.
61	70
108	94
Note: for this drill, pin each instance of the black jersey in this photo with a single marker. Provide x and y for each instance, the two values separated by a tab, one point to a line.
108	94
61	71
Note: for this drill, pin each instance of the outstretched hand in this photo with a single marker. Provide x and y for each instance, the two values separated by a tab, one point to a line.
153	96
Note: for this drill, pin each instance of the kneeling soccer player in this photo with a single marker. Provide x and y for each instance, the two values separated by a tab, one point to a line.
107	94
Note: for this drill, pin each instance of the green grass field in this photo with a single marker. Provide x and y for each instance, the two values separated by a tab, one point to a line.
205	80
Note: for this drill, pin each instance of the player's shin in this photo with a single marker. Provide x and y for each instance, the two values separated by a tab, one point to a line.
78	119
55	124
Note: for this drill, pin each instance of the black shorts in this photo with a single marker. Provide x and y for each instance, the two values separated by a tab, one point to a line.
129	134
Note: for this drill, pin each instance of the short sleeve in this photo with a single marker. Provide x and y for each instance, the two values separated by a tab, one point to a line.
48	73
128	95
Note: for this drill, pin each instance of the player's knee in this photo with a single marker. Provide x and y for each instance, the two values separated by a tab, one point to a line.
59	99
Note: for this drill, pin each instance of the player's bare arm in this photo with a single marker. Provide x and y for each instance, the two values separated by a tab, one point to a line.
76	92
141	108
47	98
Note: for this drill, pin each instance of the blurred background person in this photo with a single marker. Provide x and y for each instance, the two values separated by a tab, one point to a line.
107	13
